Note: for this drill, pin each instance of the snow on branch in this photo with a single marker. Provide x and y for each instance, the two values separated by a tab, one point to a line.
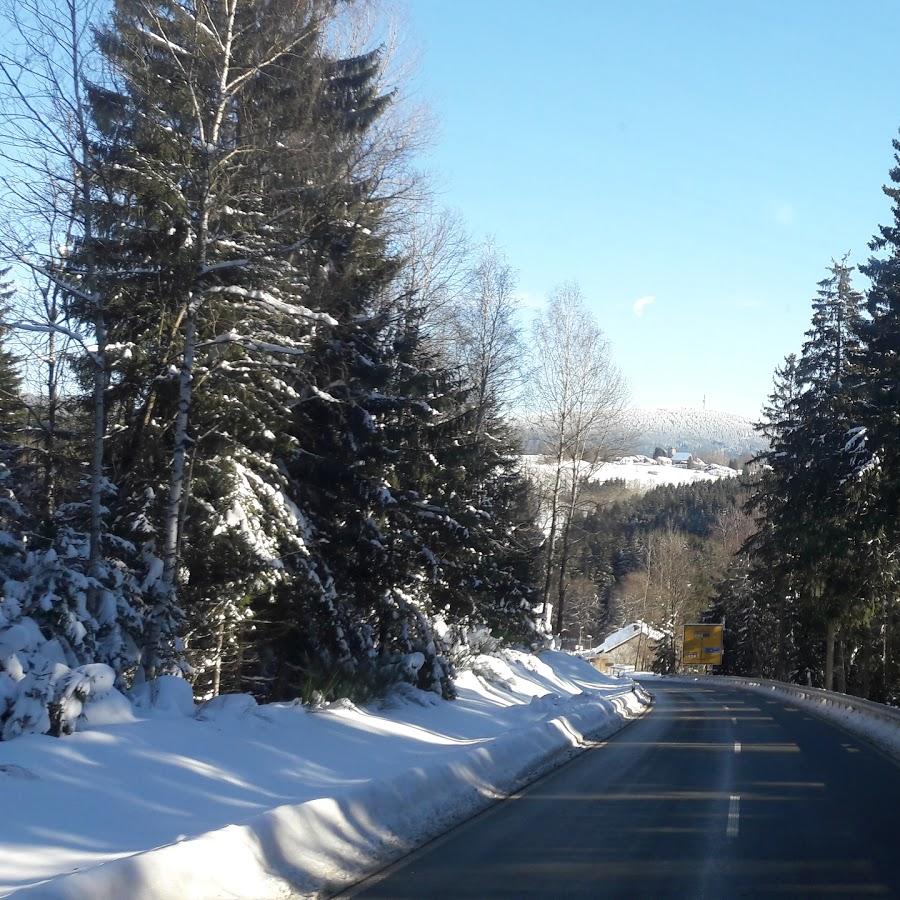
250	343
162	41
272	302
224	264
51	328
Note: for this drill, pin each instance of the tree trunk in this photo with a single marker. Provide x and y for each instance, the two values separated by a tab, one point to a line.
179	456
220	643
49	500
172	521
83	174
564	555
97	454
886	652
830	631
638	667
551	542
841	671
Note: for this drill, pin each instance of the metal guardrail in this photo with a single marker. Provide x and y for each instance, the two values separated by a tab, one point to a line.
825	698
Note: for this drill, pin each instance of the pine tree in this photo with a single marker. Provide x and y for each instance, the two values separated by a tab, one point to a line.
204	229
873	443
12	550
806	555
295	494
10	380
53	626
835	582
878	391
773	548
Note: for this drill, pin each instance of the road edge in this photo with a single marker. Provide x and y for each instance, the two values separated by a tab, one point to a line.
854	722
594	740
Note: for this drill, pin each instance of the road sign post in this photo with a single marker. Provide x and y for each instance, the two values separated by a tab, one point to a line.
703	645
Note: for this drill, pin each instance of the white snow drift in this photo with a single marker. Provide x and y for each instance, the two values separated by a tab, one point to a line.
241	800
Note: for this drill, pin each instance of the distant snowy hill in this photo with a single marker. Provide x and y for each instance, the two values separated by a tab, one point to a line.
701	431
712	435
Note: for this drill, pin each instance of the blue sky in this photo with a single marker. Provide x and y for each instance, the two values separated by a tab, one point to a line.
713	156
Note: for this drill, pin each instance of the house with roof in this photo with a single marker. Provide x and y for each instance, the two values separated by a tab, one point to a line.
632	648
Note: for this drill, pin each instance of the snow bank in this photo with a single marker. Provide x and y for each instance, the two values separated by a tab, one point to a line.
884	734
38	681
259	801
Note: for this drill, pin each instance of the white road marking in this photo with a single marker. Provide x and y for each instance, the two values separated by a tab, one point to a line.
737	746
734	816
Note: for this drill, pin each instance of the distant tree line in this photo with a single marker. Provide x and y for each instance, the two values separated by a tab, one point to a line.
651	556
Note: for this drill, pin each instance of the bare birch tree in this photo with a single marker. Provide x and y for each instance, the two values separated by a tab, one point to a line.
487	337
436	253
47	142
578	395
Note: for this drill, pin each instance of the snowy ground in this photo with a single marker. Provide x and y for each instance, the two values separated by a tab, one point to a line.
645	473
238	800
640	473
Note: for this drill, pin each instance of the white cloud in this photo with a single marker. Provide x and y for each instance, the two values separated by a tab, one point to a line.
641	304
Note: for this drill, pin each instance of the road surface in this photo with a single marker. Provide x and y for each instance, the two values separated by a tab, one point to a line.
717	792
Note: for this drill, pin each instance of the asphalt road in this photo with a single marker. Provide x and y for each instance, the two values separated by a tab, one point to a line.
715	793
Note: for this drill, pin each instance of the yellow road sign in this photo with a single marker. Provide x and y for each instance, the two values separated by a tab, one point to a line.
703	645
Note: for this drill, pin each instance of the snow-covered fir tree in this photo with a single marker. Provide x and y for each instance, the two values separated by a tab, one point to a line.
286	489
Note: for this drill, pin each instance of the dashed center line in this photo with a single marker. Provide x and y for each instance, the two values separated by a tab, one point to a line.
734	816
737	746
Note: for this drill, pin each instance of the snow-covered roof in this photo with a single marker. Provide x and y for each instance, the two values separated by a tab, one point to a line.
625	634
721	471
682	456
638	458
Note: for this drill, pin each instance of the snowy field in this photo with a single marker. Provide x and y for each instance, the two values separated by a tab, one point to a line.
238	800
645	473
640	473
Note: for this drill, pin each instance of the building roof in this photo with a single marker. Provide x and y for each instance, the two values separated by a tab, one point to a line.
625	634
